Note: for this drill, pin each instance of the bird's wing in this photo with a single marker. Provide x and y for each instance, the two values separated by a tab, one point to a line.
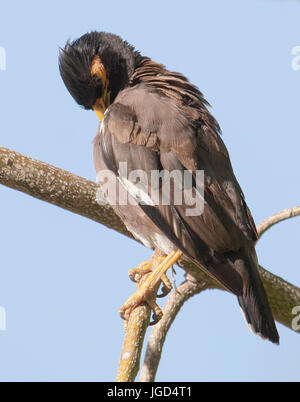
151	134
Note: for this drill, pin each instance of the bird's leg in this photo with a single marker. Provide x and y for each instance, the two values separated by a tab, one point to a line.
147	290
145	267
167	286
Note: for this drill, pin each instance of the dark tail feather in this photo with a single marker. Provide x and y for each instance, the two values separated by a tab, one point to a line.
254	302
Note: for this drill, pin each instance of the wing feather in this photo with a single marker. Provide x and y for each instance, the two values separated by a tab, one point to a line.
151	134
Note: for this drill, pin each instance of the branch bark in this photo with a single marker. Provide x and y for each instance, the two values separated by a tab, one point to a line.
56	186
78	195
133	343
276	288
276	218
184	291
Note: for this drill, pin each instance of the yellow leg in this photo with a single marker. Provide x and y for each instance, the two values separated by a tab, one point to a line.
167	286
145	267
148	289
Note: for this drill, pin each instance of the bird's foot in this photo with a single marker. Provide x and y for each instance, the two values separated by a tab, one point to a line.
145	267
148	285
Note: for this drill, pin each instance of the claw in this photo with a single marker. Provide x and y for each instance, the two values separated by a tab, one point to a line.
156	317
167	286
147	289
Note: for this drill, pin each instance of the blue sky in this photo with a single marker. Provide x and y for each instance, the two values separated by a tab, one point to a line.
64	277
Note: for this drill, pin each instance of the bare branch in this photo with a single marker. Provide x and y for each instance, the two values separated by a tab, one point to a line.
276	218
78	195
274	286
133	343
187	289
282	295
56	186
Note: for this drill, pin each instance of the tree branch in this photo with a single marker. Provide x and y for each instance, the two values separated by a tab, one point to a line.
276	218
184	291
274	287
133	343
78	195
56	186
282	296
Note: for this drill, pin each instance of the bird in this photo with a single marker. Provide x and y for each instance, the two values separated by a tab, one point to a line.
155	120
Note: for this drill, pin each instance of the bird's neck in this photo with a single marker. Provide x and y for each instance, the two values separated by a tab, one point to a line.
145	70
169	83
176	87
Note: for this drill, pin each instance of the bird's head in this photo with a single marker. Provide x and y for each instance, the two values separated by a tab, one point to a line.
95	68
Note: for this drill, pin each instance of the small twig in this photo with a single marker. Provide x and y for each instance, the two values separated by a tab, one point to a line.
276	218
132	346
189	288
158	334
135	330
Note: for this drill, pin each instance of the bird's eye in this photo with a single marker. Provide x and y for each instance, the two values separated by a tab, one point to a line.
97	79
98	83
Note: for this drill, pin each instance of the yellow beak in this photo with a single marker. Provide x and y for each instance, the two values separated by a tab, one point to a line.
99	108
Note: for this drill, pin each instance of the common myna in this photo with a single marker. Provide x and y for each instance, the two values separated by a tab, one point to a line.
155	121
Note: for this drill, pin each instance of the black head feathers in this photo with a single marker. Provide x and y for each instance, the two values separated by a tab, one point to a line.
75	60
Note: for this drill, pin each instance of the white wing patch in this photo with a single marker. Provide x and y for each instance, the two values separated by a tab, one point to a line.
137	192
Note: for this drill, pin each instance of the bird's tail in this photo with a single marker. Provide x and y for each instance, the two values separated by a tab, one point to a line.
253	301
